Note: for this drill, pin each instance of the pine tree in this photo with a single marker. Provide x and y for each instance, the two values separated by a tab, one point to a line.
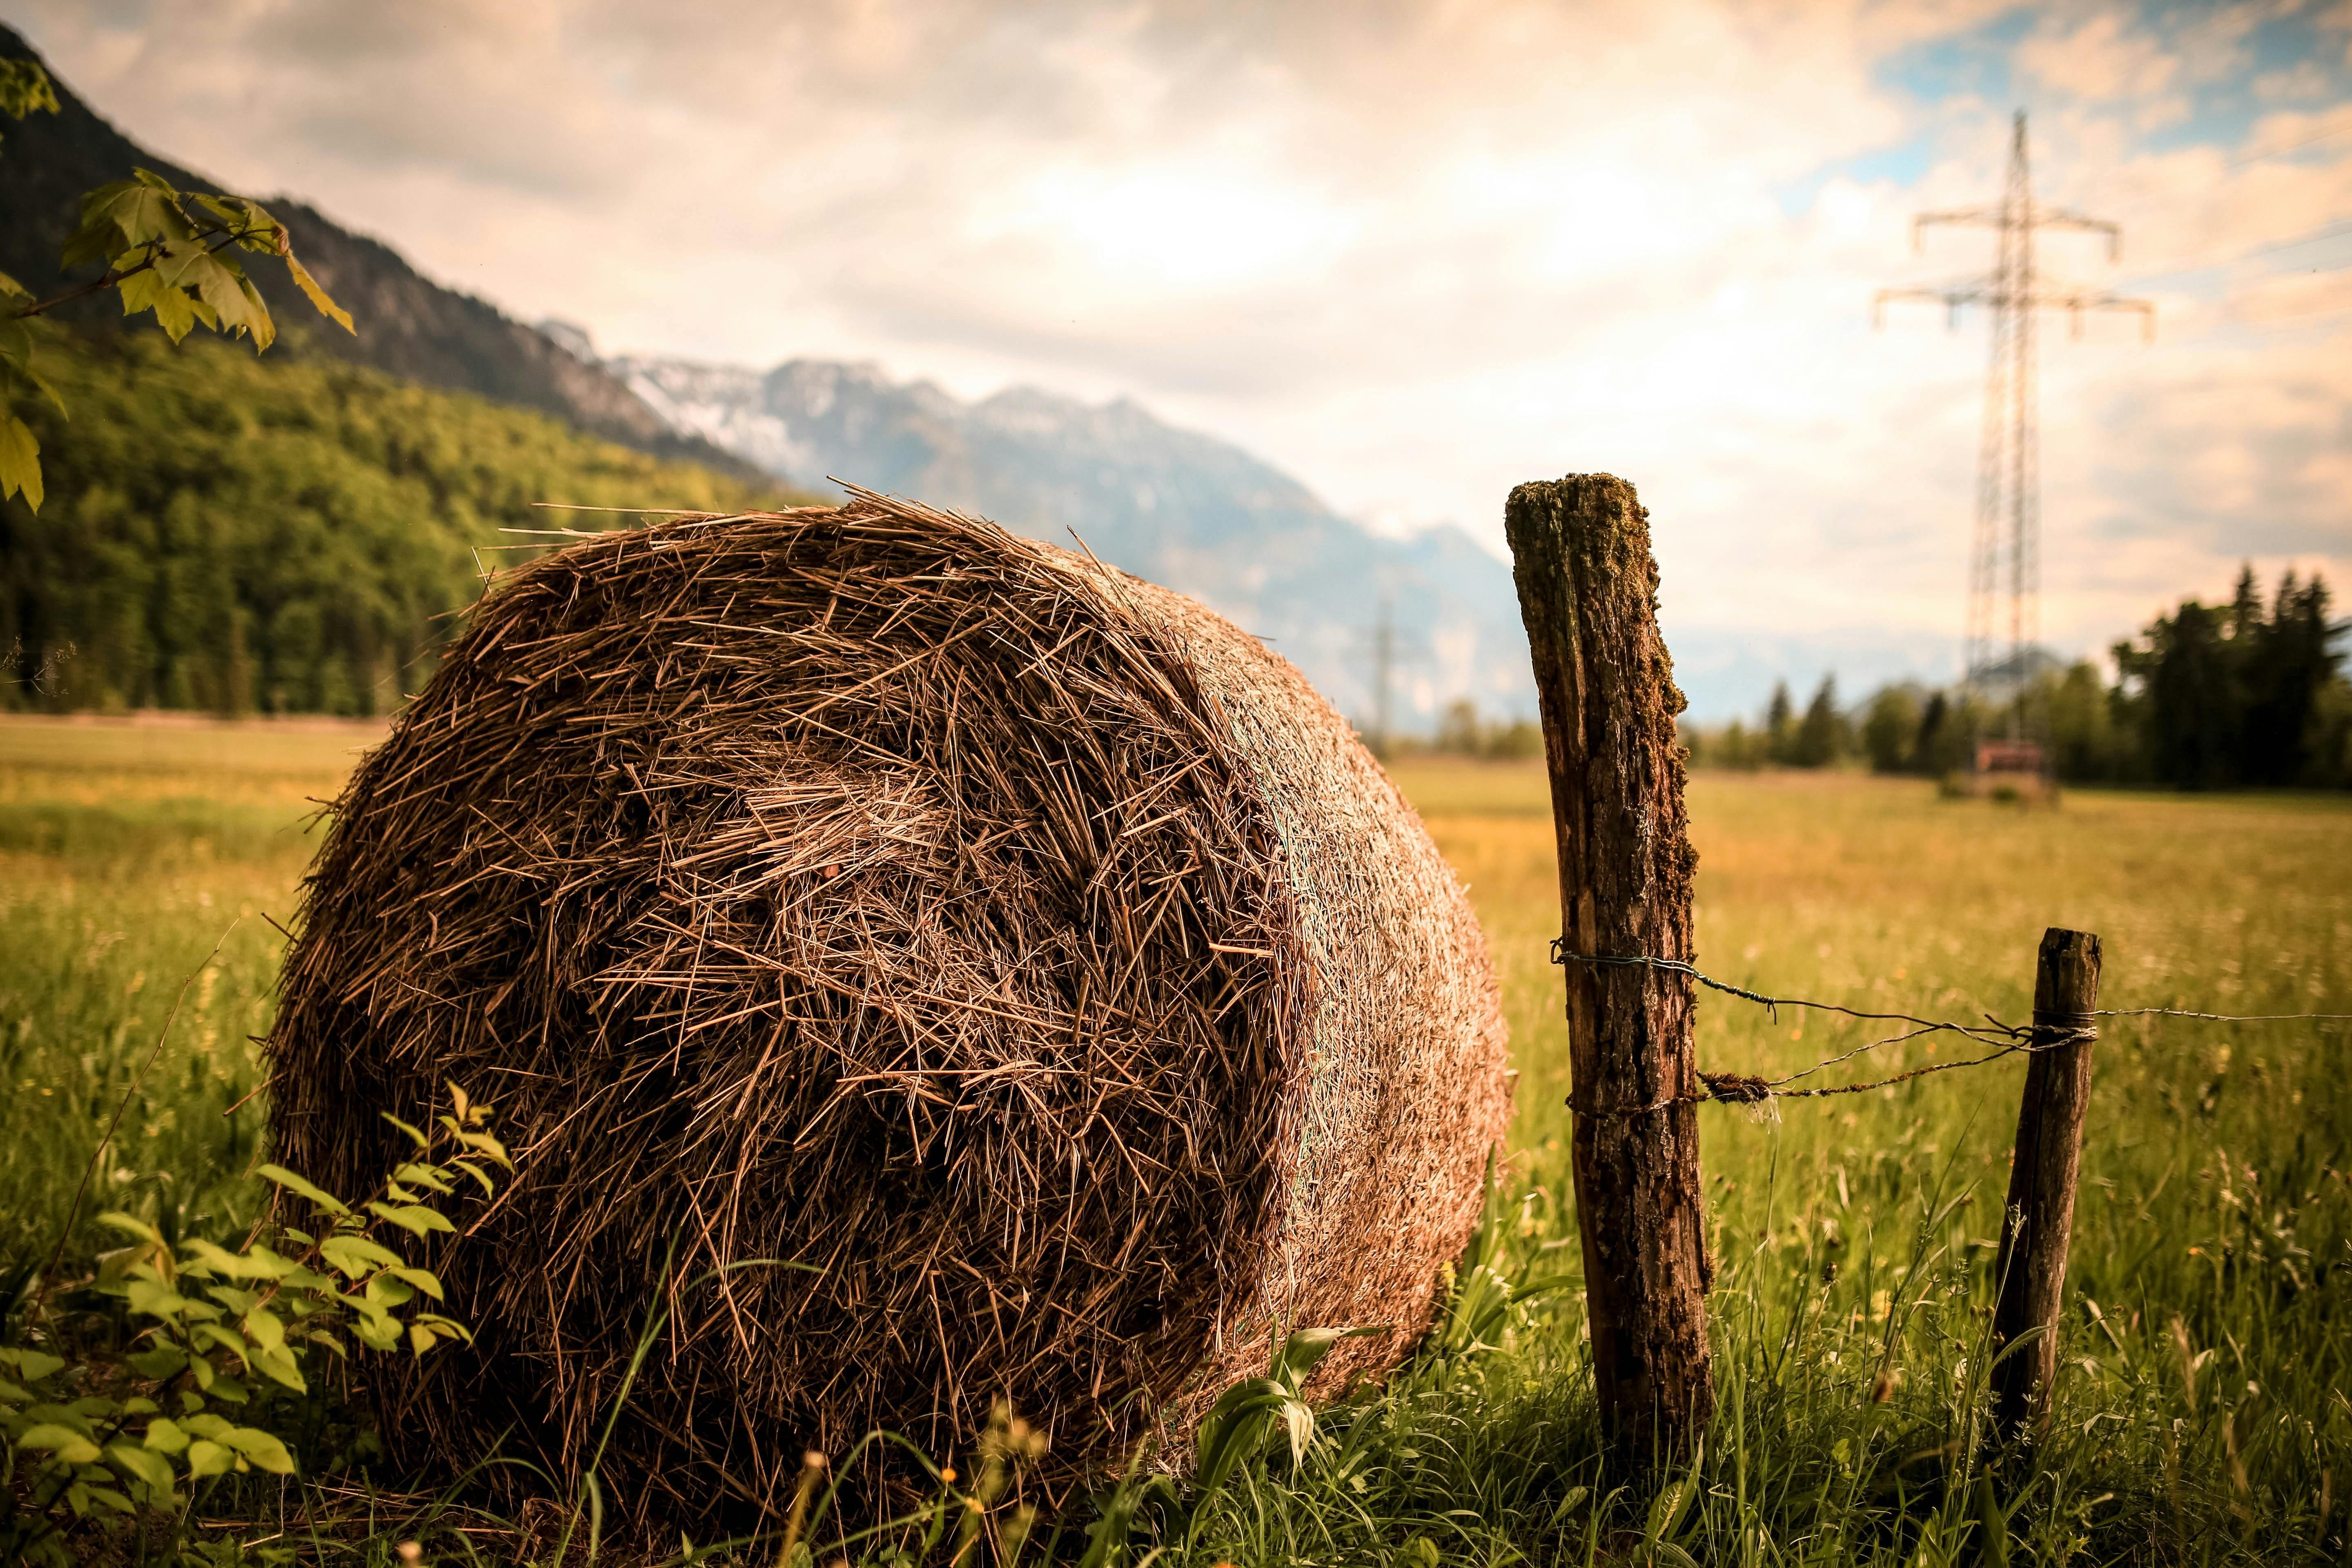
1821	737
1781	726
2082	740
2227	696
1890	728
2246	605
2287	667
1927	751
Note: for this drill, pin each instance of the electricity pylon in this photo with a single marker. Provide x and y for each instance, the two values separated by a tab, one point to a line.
2009	458
1389	647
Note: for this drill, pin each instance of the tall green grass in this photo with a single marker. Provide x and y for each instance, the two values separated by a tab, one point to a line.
2201	1412
125	855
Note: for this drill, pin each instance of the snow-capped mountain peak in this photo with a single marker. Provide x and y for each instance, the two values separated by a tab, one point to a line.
1197	513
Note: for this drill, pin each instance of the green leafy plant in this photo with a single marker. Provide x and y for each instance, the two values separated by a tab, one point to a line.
1256	1418
1248	1419
1248	1424
142	1421
1479	1302
165	250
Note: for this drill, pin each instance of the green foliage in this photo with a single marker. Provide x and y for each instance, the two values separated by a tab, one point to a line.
163	251
1463	731
163	256
1483	1295
1256	1419
1950	725
2087	744
26	88
294	535
1248	1418
137	1422
1821	737
1780	725
2229	696
1252	1419
2211	1195
1733	746
2208	698
1890	728
2328	736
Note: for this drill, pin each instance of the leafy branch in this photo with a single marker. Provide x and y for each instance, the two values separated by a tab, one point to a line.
165	250
140	1427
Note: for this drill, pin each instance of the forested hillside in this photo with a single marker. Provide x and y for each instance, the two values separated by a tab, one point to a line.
241	535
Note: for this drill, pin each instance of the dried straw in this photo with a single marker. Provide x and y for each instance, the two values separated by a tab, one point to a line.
1019	943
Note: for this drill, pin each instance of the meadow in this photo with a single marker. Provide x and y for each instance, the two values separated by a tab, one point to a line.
2201	1411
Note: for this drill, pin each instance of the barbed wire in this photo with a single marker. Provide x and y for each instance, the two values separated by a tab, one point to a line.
2044	1034
2223	1017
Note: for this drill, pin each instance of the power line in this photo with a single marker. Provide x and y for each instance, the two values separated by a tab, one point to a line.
2259	15
2264	157
2273	323
2246	160
2242	160
2223	255
2007	540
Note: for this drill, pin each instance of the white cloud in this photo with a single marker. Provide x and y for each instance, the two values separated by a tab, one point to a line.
1415	252
2303	79
2102	57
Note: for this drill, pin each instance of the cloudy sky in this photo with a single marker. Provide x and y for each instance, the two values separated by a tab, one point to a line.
1414	253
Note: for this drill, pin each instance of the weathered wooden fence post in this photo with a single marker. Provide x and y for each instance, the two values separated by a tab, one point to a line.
1588	587
2040	1218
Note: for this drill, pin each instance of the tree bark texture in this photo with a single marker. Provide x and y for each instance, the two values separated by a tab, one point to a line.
1588	590
2040	1218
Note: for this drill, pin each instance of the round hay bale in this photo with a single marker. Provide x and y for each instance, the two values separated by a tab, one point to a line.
1019	945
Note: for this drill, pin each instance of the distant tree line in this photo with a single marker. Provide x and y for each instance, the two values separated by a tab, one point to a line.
1463	731
285	535
2239	695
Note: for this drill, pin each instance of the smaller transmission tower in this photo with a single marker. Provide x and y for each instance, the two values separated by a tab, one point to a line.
1389	646
2005	559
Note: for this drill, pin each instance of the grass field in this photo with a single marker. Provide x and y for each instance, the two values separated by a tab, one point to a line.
2203	1413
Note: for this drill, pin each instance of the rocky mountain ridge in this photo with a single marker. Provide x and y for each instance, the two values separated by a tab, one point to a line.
1195	512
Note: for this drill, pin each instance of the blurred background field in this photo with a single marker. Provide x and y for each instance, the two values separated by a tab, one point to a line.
2201	1393
126	851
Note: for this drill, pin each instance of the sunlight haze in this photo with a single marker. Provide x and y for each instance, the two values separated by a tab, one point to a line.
1412	254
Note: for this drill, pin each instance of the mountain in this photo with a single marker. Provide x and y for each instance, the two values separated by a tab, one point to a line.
408	326
1194	512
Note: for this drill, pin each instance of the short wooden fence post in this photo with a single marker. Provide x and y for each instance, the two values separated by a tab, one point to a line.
2040	1218
1588	587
